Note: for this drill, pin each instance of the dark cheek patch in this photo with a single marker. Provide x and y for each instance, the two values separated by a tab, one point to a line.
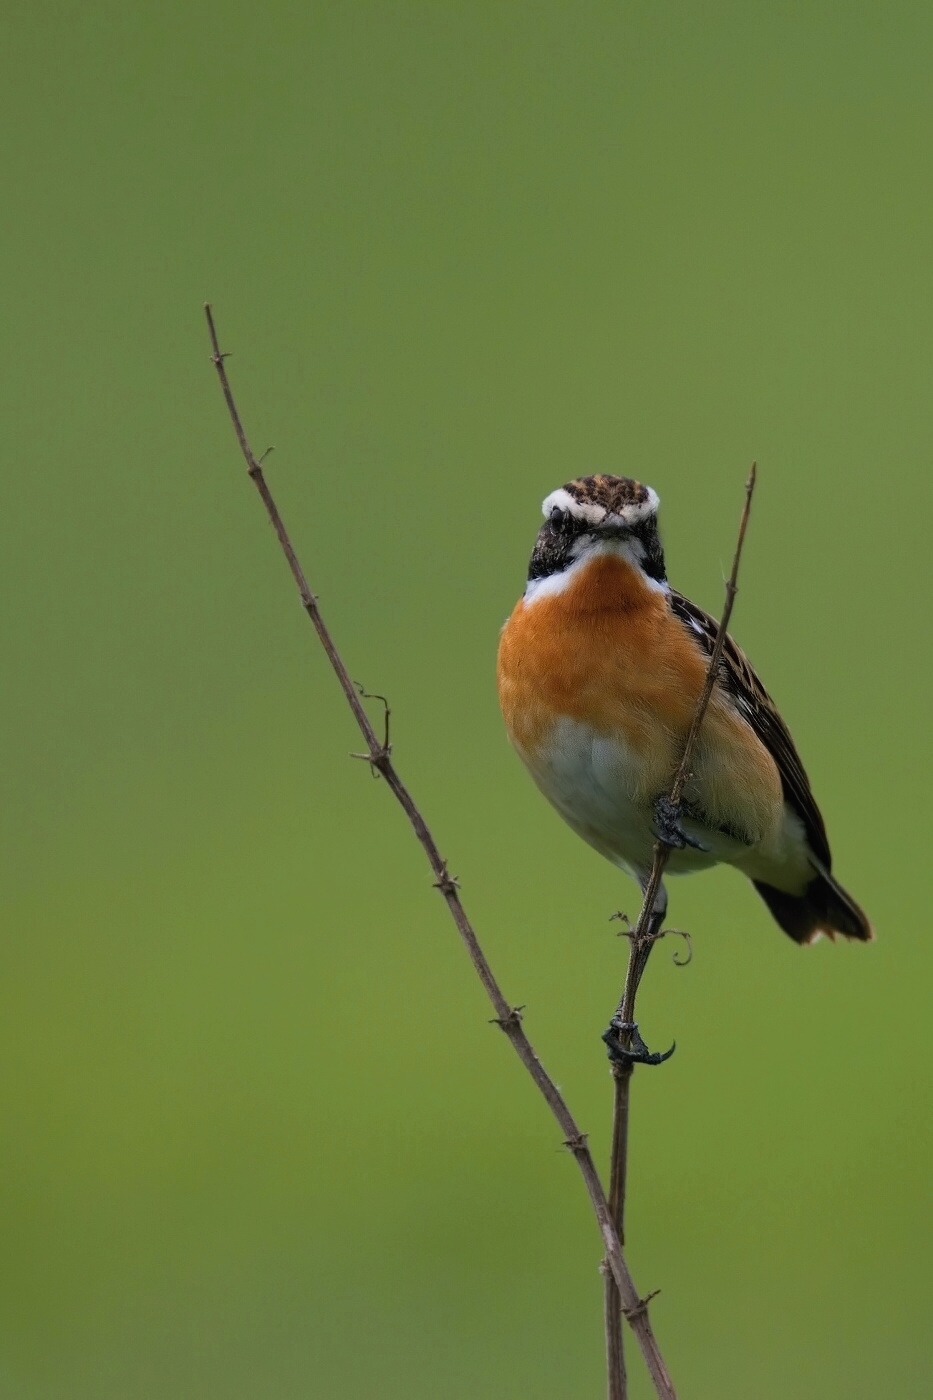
551	552
652	553
553	549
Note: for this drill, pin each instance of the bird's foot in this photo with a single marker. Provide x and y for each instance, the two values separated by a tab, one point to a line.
625	1045
668	826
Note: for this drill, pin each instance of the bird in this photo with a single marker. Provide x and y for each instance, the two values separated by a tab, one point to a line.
600	667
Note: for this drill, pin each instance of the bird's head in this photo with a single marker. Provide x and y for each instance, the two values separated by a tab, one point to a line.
596	515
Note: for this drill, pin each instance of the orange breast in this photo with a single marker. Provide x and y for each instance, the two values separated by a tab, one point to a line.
609	652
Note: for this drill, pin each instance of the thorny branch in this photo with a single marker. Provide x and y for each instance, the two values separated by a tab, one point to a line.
661	849
641	940
507	1016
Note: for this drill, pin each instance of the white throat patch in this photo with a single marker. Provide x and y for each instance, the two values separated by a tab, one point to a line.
628	549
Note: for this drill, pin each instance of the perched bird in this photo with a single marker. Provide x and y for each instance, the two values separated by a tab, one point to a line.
600	668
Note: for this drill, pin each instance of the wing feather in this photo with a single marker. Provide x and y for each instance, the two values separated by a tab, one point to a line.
754	704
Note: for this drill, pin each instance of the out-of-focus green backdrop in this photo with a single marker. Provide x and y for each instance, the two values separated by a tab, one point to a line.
258	1139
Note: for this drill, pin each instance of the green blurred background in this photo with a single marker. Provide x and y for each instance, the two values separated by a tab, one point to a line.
258	1139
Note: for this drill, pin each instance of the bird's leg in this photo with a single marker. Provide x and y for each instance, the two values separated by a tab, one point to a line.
622	1038
668	825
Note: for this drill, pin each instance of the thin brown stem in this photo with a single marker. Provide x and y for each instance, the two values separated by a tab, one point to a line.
661	849
642	939
506	1016
622	1071
616	1374
617	1387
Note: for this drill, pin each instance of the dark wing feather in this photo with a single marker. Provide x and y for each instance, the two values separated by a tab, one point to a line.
754	704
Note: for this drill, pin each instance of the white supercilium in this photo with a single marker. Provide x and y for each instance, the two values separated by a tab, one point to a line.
593	514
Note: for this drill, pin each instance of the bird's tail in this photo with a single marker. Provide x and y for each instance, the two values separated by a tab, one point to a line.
824	907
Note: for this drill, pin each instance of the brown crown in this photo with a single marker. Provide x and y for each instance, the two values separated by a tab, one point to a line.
613	493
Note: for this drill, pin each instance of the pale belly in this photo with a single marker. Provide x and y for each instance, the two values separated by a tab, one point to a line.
598	785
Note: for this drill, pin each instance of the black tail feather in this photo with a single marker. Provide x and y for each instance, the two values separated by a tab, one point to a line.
824	907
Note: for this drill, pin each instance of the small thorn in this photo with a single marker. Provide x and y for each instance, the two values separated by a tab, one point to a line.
682	933
447	884
377	761
641	1307
374	695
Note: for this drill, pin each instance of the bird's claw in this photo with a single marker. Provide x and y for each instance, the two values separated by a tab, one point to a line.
636	1052
668	826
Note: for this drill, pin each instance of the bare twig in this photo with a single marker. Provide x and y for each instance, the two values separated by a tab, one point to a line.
642	939
661	849
507	1016
617	1379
